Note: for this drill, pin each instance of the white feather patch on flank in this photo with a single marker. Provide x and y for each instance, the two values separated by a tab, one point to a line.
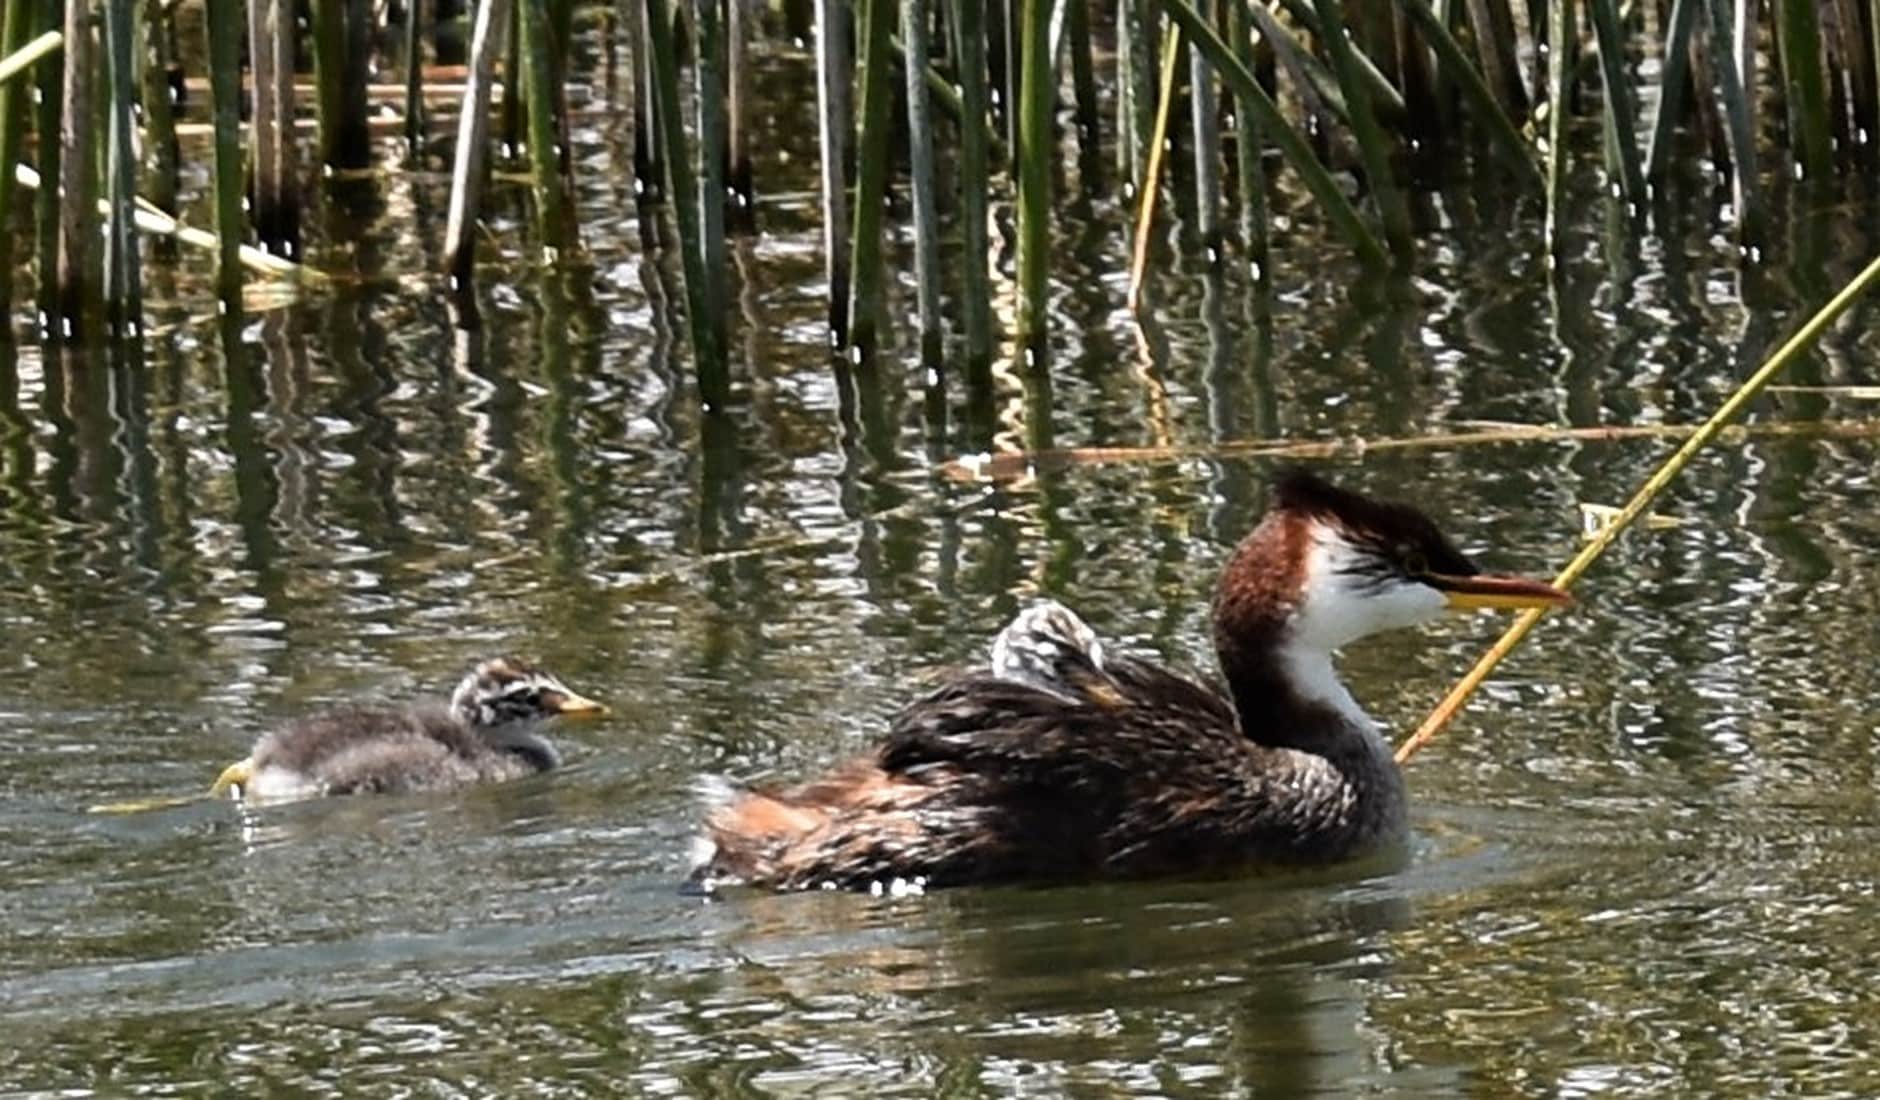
701	851
715	791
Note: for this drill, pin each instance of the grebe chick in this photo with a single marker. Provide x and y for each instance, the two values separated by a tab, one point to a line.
1067	759
488	733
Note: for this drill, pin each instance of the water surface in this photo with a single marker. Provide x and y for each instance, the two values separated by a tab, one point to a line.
1644	861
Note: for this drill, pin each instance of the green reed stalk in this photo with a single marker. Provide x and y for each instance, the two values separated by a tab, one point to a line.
1798	43
1036	101
414	75
1673	73
921	142
158	51
47	121
123	277
1494	42
874	148
1137	30
1292	146
1873	69
1205	125
12	126
705	322
225	88
649	178
740	186
832	107
1738	110
473	126
1391	206
1559	87
1619	116
1247	153
554	222
709	100
271	26
1457	67
81	278
1084	87
969	52
326	19
1857	53
511	123
1386	100
1316	87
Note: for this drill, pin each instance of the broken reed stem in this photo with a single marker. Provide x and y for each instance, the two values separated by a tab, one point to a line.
20	60
1010	465
1738	401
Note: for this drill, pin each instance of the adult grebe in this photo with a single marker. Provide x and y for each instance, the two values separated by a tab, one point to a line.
1067	759
488	733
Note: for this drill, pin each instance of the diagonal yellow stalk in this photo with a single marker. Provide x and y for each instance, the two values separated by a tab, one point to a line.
1803	339
1152	174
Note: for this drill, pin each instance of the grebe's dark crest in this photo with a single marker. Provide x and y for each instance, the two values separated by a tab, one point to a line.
1066	758
489	732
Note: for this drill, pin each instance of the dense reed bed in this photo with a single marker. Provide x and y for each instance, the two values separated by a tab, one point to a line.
998	121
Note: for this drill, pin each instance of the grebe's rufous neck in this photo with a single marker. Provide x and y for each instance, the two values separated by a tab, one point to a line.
1066	759
489	732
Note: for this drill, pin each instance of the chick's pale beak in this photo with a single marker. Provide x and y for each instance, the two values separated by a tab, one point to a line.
570	705
1505	593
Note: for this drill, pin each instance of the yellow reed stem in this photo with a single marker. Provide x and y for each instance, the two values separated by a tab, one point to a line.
1728	411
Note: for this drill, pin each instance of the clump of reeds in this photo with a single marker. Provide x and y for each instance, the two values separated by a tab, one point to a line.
1352	101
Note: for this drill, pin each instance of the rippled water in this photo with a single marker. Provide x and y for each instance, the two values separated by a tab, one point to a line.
1645	859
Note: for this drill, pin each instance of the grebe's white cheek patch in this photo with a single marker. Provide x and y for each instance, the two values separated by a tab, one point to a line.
1343	598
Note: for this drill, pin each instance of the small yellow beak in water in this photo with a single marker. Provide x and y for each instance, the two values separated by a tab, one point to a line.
236	775
1503	593
571	705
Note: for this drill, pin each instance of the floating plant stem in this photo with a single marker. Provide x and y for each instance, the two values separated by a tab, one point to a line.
1036	99
123	281
1619	118
832	107
914	32
1317	180
1673	72
648	176
705	322
1364	128
873	149
473	125
969	51
224	28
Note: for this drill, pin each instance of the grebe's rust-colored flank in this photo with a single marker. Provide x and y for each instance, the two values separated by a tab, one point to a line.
1064	759
488	733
